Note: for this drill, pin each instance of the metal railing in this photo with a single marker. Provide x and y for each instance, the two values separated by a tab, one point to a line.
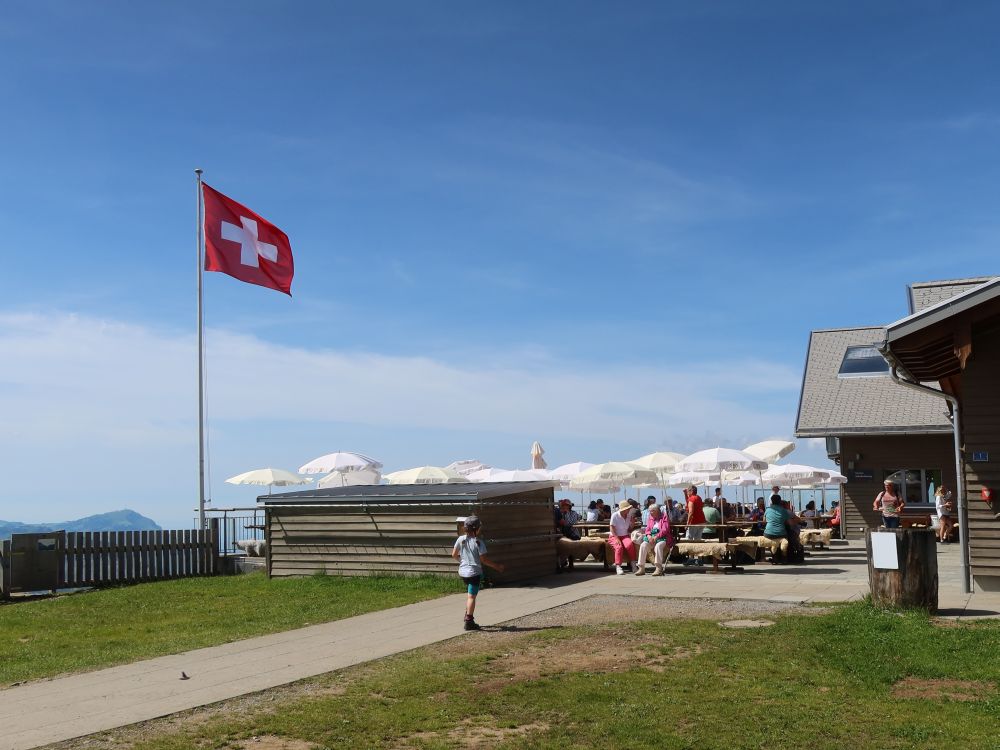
234	525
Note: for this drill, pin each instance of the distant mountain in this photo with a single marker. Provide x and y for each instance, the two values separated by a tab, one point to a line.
119	520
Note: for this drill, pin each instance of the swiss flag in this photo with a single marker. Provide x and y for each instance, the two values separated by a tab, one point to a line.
244	245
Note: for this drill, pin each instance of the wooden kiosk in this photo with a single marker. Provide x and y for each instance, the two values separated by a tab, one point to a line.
408	529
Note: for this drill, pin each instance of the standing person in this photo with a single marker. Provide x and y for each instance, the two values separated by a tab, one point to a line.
890	503
656	533
620	537
945	508
695	514
470	551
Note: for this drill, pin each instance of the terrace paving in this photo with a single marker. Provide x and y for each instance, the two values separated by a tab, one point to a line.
47	711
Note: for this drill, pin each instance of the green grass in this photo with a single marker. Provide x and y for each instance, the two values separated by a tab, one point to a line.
114	626
821	681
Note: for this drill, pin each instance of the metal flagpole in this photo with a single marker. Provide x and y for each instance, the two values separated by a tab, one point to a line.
201	359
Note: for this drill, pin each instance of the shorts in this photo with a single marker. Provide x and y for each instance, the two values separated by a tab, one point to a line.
472	583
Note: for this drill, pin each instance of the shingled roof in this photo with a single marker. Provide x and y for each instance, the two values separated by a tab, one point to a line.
924	294
830	405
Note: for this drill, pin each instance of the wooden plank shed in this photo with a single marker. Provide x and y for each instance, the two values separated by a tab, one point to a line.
409	528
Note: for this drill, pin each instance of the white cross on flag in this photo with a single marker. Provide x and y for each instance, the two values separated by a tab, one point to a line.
245	245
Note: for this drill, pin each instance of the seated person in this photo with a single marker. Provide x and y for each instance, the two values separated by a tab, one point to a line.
834	520
604	509
656	533
593	513
757	516
810	511
568	518
776	519
712	515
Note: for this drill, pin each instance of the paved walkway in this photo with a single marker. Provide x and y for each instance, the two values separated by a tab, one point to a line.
48	711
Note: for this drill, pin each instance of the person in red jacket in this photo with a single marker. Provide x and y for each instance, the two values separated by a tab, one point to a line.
695	514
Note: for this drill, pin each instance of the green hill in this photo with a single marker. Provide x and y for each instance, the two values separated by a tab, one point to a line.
118	520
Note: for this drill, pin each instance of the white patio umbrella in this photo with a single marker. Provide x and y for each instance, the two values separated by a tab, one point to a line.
619	472
425	475
567	472
537	451
485	475
467	466
269	478
521	475
770	450
350	478
602	487
787	475
662	462
834	477
341	461
684	478
718	460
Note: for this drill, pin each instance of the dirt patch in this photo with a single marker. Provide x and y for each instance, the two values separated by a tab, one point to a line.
472	736
600	610
270	742
936	690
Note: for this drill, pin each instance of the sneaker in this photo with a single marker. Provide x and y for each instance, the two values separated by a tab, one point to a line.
472	625
619	571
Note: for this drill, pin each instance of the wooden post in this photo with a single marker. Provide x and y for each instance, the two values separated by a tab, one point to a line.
915	582
5	569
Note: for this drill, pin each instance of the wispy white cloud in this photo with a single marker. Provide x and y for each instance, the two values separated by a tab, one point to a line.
84	399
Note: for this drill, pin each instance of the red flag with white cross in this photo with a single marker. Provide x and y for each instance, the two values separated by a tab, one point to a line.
245	245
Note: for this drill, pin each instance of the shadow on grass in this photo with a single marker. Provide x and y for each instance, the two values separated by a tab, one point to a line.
517	628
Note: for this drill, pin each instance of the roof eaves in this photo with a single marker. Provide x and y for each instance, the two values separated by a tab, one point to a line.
942	310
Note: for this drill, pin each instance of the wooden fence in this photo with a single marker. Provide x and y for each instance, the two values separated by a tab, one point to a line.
104	558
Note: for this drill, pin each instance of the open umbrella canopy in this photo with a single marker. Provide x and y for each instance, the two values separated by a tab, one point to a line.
662	462
618	472
425	475
467	466
269	478
792	474
719	460
598	486
485	475
350	478
339	461
833	477
684	478
567	472
520	475
770	450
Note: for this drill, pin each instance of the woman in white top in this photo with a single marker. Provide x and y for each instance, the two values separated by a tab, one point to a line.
620	537
945	508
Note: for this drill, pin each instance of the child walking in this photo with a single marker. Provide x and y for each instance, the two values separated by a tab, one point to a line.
470	551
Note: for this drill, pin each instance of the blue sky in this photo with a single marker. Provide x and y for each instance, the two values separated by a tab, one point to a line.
608	227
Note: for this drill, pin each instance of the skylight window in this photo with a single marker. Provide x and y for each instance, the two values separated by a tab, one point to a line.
862	362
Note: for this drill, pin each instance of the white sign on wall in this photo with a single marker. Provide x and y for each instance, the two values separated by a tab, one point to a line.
884	553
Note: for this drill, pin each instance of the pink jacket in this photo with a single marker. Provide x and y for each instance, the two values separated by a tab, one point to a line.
665	532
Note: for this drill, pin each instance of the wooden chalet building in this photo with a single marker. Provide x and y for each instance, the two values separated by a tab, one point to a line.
877	427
